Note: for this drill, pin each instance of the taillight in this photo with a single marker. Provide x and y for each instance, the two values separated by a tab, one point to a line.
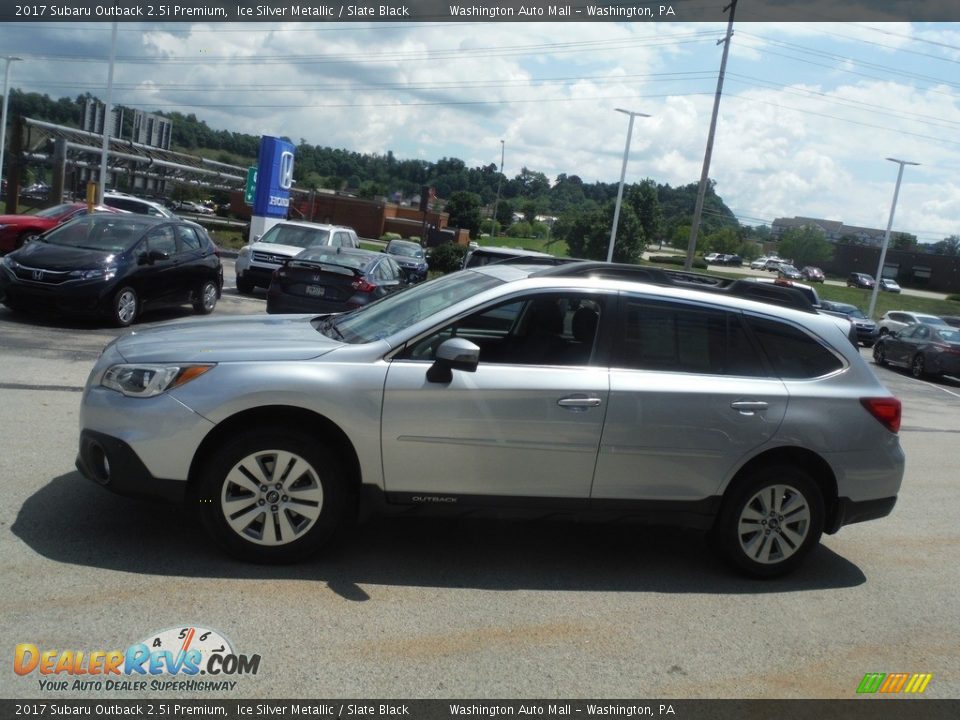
363	285
885	409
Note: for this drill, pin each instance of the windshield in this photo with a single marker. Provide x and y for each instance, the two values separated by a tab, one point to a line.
109	234
295	235
398	311
406	250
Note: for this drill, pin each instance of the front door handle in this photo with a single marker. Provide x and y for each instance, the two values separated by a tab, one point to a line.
749	407
579	403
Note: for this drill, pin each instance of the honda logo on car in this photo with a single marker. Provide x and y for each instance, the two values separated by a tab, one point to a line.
188	651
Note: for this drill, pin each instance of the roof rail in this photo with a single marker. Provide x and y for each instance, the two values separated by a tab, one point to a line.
774	294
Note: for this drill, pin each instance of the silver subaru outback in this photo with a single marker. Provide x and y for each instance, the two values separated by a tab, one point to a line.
568	389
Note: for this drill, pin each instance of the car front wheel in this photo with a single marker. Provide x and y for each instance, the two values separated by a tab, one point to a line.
245	287
918	368
272	496
771	521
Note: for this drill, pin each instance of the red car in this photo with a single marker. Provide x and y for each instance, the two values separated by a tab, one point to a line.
16	229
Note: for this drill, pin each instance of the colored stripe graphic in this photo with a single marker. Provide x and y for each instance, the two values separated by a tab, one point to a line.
871	682
894	683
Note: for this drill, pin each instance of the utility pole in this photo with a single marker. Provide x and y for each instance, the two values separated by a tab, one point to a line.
705	174
493	225
886	235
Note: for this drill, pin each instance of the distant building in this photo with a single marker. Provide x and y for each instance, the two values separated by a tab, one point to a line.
833	230
152	130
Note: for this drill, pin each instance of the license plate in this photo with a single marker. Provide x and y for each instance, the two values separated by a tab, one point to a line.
315	290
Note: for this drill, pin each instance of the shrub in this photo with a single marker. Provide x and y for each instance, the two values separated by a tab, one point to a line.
387	237
447	258
954	297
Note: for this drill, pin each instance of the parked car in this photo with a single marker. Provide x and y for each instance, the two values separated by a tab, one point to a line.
194	207
894	320
760	263
951	320
15	230
507	386
860	280
867	332
789	272
773	264
889	285
257	260
137	205
114	265
731	260
812	274
712	258
410	257
326	279
923	349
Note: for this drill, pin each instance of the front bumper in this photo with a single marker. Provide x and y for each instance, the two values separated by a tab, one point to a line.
112	463
75	298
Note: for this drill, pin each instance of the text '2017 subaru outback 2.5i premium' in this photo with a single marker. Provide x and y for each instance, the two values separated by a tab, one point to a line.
566	389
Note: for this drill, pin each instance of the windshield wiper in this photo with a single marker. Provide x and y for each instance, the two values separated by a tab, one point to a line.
328	324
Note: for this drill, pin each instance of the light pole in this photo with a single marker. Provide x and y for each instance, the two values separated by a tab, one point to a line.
886	235
106	117
623	173
493	224
3	115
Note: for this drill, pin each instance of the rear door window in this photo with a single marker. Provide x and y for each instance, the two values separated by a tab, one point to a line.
792	352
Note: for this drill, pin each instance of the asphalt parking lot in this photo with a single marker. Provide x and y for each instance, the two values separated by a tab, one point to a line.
471	609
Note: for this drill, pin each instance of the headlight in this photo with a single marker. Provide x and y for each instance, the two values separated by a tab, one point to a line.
150	380
9	262
106	273
244	251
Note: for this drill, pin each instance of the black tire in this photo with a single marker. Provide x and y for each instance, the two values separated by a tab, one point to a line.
205	297
868	345
879	355
125	306
884	331
918	366
785	506
245	287
295	509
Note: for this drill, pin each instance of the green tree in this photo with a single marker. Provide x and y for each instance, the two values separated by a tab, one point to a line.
947	246
588	234
806	246
645	200
724	241
464	210
903	241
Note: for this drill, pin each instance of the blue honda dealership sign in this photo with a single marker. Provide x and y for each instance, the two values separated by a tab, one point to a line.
274	178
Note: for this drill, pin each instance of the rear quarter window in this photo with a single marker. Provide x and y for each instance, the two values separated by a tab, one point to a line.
792	353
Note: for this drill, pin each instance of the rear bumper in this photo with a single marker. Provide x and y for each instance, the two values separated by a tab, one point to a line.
850	511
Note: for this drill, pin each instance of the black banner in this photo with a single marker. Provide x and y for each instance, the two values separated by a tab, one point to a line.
637	11
874	708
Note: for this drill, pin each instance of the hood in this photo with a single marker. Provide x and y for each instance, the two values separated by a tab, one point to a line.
61	257
408	261
285	251
244	338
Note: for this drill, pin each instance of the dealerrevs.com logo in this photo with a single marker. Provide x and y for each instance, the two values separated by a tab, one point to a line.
177	659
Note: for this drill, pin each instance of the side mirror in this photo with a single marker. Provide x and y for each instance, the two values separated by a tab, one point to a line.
453	354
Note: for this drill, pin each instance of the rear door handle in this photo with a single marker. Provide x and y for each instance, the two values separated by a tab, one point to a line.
749	407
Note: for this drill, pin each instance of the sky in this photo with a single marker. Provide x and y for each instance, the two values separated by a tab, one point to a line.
808	114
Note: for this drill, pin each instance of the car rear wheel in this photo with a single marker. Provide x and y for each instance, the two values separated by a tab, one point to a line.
272	496
918	368
205	297
126	305
770	521
879	355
